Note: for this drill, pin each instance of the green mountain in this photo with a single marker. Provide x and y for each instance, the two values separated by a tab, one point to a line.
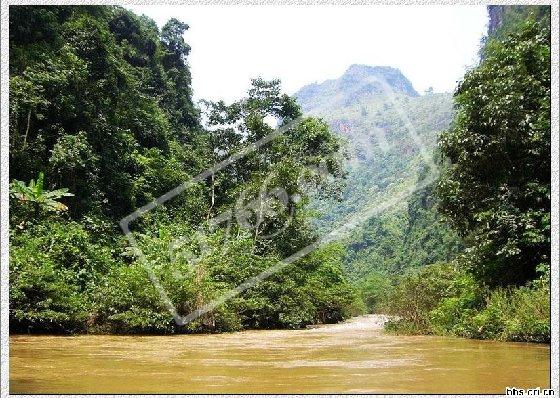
390	133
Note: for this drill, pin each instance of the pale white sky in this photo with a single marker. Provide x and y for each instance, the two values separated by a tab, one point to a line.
431	45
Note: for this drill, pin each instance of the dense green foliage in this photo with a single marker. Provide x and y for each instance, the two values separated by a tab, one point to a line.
496	188
98	99
410	235
506	19
441	299
495	191
102	121
101	109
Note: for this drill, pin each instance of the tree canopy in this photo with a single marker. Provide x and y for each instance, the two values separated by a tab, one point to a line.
496	187
101	109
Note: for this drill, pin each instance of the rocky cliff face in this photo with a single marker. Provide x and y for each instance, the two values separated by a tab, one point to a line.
504	19
495	15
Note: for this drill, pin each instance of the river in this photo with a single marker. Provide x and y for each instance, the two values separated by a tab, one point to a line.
352	357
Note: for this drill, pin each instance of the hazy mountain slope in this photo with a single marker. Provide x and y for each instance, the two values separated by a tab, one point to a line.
385	124
351	86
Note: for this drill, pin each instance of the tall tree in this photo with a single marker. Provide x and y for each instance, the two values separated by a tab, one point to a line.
496	186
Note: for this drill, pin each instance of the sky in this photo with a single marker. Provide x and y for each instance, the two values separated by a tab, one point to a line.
432	45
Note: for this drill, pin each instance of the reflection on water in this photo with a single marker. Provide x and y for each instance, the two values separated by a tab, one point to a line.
351	357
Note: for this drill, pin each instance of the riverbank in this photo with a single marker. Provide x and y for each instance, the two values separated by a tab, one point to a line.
350	357
442	299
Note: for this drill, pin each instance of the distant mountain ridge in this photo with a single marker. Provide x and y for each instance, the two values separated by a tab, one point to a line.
357	83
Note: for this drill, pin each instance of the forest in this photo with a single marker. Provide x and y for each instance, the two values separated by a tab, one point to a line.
102	122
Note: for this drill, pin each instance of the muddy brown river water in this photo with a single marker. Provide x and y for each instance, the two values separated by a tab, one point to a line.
347	358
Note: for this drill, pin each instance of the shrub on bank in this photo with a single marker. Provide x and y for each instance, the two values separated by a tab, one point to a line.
442	300
419	292
68	278
53	267
515	314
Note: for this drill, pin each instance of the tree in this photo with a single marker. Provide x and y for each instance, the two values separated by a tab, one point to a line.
283	163
93	95
172	38
101	101
496	186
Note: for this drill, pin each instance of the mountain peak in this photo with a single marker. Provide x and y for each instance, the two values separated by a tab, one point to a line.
358	81
360	69
393	77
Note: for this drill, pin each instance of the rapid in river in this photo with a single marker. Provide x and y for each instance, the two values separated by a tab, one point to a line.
351	357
